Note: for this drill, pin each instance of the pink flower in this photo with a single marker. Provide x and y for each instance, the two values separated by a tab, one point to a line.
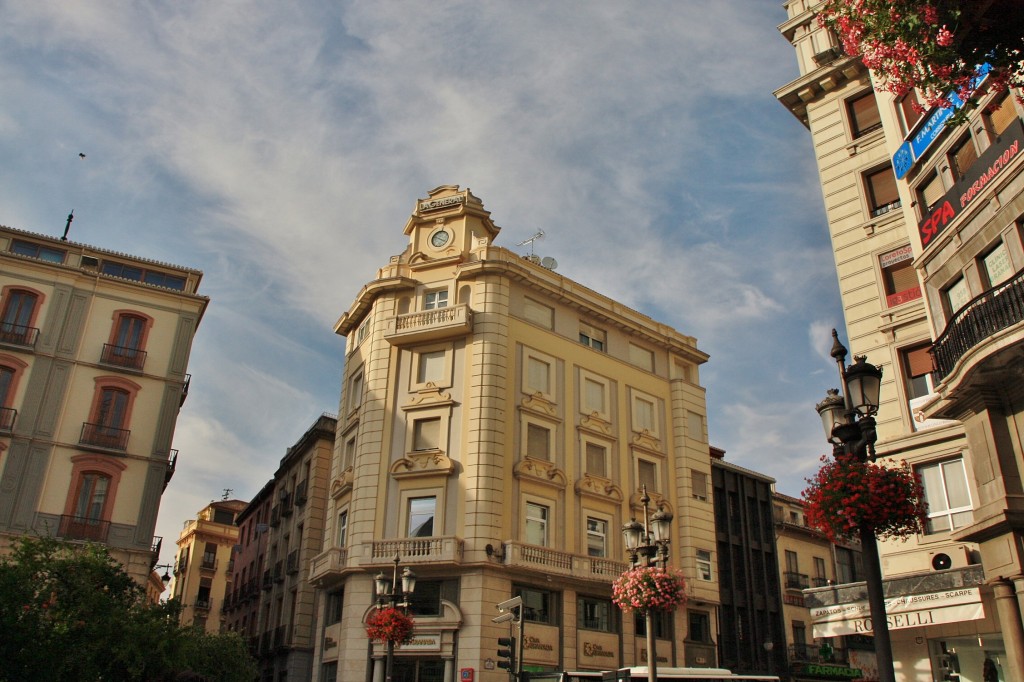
944	37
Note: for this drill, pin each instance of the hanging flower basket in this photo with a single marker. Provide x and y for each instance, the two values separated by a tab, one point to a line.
390	625
846	493
649	588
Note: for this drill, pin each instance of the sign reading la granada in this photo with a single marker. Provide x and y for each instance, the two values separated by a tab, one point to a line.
987	168
908	611
435	204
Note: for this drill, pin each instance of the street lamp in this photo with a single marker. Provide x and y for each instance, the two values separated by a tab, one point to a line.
396	595
650	541
849	422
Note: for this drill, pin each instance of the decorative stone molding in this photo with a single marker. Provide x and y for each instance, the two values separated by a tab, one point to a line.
429	396
599	487
594	422
645	441
342	484
658	501
540	470
431	463
539	404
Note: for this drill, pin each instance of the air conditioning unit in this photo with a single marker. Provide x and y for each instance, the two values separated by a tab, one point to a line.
947	558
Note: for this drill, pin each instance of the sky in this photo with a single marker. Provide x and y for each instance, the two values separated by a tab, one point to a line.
281	147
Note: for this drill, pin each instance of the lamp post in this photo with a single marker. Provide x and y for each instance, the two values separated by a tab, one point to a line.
394	594
849	422
649	541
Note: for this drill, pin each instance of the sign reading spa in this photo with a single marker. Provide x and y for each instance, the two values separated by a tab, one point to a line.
908	611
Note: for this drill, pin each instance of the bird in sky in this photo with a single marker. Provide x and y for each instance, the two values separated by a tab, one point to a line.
81	155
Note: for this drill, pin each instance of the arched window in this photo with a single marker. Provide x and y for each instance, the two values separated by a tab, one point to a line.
10	371
90	501
127	340
19	312
92	497
111	413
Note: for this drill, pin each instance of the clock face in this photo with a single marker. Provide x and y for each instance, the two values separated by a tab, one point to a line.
439	238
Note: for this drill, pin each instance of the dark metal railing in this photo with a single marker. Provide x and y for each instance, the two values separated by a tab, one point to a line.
172	465
104	436
123	356
797	581
993	311
18	335
7	417
83	528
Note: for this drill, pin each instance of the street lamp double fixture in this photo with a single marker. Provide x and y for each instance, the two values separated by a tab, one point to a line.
649	541
395	594
849	423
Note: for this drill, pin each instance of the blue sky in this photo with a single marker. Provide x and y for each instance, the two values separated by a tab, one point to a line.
280	148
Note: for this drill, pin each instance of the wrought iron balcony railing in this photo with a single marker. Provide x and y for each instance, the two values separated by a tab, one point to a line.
795	581
18	335
123	356
83	528
997	309
104	436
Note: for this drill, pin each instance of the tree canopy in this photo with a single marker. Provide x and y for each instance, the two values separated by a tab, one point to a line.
70	612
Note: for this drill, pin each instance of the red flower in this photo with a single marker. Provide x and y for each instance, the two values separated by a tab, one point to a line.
390	625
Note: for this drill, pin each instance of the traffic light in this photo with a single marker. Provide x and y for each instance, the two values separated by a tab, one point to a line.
508	654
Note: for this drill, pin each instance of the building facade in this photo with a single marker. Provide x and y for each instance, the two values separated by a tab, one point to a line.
94	349
204	570
925	226
242	605
497	422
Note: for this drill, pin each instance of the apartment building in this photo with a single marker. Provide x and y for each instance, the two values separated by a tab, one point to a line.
94	349
203	569
925	225
242	605
497	422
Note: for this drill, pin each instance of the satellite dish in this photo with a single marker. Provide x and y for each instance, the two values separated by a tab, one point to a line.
549	263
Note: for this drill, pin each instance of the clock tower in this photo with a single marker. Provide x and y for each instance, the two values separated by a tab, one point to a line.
447	225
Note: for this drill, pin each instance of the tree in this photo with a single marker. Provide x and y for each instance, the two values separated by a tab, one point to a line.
936	46
70	612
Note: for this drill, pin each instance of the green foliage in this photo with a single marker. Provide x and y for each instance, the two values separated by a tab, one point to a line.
71	613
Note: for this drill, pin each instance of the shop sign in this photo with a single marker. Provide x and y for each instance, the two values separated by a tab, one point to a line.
908	611
987	168
446	202
827	671
424	642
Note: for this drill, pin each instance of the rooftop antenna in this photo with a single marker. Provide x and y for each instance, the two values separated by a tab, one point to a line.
227	493
71	216
531	240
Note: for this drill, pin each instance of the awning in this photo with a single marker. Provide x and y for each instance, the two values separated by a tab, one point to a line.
907	611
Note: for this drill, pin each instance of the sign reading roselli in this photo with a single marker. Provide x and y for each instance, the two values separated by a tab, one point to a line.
908	611
987	168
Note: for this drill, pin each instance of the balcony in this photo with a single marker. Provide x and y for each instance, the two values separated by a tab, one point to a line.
292	566
202	604
795	581
7	417
208	563
995	310
104	436
172	464
184	389
275	516
123	356
279	572
416	551
300	492
429	325
550	561
268	580
327	565
286	504
17	335
83	528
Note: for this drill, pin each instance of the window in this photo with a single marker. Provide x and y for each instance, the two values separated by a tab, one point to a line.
882	193
538	313
137	274
421	517
329	671
592	336
18	315
594	396
92	497
930	192
899	277
355	391
597	459
363	330
538	605
958	295
597	537
210	555
426	434
647	475
332	610
538	441
799	633
538	376
695	426
435	299
595	614
996	265
700	626
536	524
426	599
1001	115
350	453
111	410
127	341
847	566
33	250
963	156
342	533
704	564
662	627
910	110
947	495
10	372
864	116
641	357
644	418
431	367
819	572
917	369
699	485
